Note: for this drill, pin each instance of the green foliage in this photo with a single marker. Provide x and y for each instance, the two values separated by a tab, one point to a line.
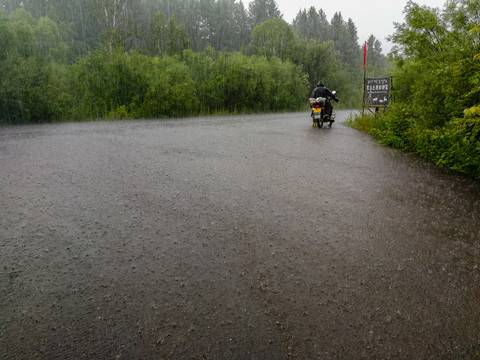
437	92
330	51
313	24
366	123
273	38
249	85
208	71
456	146
48	42
131	85
319	61
290	84
434	54
32	85
170	90
165	37
376	62
92	59
394	129
235	82
472	113
263	10
32	92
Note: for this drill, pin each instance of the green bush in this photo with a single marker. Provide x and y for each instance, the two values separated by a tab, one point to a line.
132	85
436	76
365	122
392	127
455	145
237	83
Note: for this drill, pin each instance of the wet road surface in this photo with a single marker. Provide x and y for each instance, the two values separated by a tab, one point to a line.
249	237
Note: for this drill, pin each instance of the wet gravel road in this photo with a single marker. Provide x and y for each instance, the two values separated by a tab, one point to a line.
249	237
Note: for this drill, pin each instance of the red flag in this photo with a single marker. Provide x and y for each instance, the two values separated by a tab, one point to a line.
364	54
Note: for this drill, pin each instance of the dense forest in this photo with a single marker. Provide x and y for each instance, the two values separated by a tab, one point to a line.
436	73
97	59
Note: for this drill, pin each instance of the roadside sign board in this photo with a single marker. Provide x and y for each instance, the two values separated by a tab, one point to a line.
377	91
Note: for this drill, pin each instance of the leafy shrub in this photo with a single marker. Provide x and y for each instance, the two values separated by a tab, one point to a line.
365	122
132	85
392	127
455	145
237	83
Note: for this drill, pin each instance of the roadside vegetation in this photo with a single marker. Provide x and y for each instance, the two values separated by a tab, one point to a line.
78	60
436	78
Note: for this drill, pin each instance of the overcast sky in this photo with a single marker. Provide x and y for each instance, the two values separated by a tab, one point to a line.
370	16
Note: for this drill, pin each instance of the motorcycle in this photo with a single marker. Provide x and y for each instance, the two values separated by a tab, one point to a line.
319	115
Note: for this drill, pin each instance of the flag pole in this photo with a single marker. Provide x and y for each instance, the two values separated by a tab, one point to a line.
364	76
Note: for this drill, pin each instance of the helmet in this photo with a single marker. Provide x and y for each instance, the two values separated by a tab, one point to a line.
320	83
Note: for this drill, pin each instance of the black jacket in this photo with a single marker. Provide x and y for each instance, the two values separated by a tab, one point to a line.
324	92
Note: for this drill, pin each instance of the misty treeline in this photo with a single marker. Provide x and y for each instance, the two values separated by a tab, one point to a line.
436	77
93	59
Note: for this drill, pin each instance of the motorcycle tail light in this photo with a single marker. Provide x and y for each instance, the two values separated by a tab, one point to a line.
316	106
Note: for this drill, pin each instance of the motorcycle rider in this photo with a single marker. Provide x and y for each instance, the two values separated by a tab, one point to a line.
322	91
